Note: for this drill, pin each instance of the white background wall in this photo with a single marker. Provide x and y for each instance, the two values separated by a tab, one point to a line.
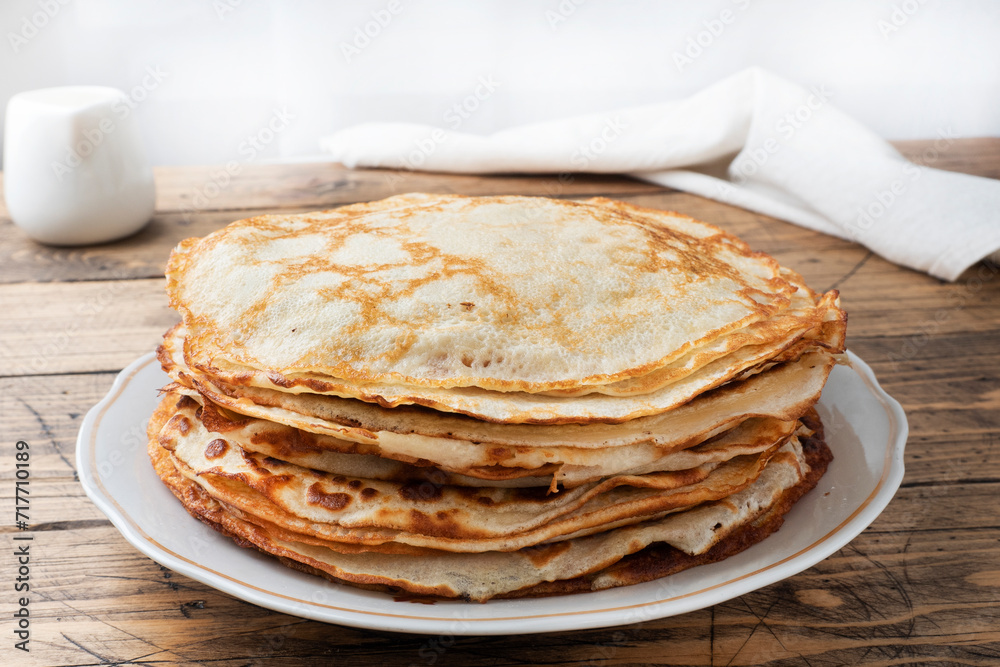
906	68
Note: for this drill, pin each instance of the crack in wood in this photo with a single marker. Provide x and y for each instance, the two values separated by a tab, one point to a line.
948	482
104	661
48	434
854	269
79	524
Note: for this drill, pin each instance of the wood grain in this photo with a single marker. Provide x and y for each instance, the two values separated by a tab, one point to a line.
194	201
85	326
182	213
920	586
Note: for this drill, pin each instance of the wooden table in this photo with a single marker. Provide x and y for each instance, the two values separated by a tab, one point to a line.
922	585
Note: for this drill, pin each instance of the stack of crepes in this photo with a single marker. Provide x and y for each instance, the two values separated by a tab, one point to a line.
491	397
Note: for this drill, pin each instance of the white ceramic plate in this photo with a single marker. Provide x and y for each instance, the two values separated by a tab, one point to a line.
865	428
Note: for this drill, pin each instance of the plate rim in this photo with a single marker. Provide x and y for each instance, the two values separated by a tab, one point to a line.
849	528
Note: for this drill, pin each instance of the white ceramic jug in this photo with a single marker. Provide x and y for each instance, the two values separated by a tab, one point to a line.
75	171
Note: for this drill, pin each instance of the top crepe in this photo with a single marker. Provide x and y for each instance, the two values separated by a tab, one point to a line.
497	293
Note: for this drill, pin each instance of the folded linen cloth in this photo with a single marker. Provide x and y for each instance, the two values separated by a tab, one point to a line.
752	140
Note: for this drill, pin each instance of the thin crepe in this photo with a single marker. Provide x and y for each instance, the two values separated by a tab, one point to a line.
521	407
479	449
533	295
209	424
362	510
586	563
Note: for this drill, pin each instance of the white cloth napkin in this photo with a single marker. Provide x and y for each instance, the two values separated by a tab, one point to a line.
752	140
